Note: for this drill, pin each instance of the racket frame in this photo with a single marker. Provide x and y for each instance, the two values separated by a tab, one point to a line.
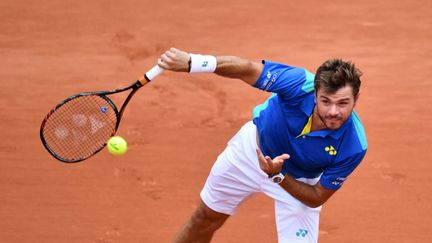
103	94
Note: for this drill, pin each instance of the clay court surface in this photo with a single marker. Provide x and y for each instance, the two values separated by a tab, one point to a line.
177	125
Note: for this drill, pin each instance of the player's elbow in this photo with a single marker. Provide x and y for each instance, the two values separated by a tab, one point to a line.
251	71
319	196
317	200
314	204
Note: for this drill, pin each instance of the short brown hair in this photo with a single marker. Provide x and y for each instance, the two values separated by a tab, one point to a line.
334	74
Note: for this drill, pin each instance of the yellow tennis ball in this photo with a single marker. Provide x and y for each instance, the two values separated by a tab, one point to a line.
117	145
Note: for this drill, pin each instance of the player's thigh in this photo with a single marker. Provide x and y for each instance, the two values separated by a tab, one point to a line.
228	184
296	222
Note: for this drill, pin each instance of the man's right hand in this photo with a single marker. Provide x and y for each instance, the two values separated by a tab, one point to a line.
174	60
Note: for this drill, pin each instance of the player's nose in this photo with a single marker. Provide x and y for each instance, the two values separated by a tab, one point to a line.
333	111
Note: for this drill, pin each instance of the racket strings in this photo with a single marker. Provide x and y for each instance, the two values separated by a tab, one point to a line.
80	127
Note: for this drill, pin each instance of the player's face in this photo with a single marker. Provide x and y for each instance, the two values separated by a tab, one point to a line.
334	108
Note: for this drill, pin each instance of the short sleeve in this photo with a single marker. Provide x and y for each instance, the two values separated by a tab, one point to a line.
287	81
334	176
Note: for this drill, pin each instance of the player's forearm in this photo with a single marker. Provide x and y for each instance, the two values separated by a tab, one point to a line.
307	194
238	68
226	66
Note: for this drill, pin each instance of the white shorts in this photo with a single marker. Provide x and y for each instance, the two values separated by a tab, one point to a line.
236	176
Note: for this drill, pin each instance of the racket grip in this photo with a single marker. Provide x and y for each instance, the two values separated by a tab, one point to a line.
152	73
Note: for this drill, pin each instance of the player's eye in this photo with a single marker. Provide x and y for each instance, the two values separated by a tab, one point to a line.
343	103
326	102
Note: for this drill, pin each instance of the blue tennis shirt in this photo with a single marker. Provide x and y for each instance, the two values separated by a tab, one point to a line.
333	154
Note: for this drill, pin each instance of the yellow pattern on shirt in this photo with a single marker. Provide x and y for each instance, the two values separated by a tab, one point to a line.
307	128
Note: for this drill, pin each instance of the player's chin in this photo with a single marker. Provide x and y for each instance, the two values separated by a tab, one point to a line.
334	124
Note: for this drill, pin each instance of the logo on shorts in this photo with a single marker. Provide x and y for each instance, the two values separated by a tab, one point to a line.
301	233
204	64
330	150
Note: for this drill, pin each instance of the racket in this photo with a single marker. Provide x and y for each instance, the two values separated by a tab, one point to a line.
80	126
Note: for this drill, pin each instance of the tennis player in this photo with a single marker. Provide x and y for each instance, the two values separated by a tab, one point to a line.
299	148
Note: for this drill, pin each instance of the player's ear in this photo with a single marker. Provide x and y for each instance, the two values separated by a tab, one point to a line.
356	97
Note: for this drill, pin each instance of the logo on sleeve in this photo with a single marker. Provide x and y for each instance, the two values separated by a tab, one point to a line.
270	80
339	181
331	150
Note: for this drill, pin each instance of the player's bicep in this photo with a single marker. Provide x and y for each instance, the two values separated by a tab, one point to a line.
288	82
239	68
255	70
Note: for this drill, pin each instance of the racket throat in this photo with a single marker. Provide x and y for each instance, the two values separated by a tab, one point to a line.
135	87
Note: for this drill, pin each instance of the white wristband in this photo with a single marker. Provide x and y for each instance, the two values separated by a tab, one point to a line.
202	63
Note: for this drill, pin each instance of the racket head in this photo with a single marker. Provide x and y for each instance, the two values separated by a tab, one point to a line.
79	126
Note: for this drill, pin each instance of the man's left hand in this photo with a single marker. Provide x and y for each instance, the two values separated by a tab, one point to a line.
269	165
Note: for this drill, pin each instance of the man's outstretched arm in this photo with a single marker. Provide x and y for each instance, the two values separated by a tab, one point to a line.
226	66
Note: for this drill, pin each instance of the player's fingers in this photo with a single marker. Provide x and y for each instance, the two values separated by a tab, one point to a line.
268	159
163	64
278	163
259	153
166	58
179	55
262	160
170	54
275	165
283	157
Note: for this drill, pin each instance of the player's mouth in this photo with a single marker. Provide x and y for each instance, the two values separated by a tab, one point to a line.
333	119
333	122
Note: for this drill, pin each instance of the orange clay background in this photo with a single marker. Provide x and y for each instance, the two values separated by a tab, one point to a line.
177	125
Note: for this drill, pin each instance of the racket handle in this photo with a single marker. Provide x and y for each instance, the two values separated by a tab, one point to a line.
151	74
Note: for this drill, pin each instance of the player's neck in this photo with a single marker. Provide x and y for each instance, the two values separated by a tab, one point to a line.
317	122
